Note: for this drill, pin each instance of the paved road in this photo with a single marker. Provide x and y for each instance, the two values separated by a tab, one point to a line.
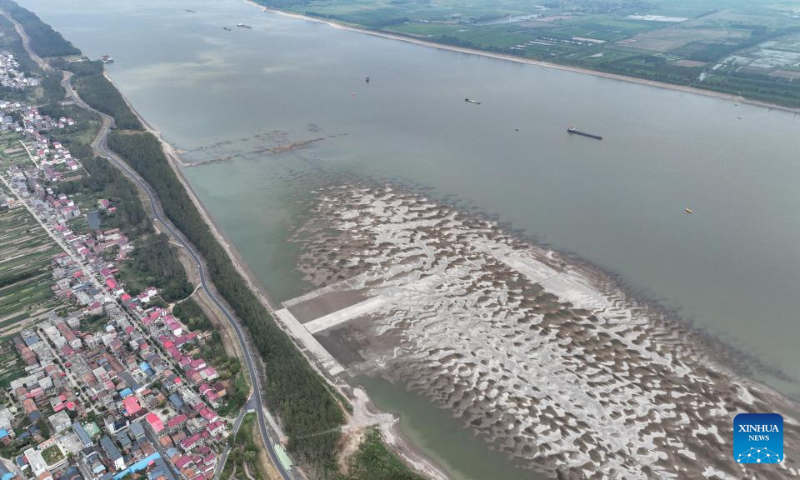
100	147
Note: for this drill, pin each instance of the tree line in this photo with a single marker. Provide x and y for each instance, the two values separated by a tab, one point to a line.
44	41
292	388
156	263
100	93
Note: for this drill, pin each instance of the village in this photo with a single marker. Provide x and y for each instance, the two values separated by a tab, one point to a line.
102	381
11	76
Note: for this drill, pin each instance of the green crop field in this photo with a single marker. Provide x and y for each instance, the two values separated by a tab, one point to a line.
11	150
26	256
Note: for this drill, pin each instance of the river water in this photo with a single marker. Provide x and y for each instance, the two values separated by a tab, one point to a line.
732	268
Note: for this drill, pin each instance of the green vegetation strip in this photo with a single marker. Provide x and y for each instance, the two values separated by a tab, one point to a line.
292	388
45	41
99	92
375	462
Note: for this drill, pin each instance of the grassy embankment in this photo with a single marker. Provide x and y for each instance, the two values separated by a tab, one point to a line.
243	458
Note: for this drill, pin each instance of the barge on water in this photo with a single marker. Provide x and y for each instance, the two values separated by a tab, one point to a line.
474	102
578	132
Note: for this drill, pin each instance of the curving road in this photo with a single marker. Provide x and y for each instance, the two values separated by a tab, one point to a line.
100	147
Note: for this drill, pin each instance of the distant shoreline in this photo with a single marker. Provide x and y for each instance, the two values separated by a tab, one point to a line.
528	61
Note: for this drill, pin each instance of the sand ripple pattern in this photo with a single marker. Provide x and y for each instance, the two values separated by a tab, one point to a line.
544	358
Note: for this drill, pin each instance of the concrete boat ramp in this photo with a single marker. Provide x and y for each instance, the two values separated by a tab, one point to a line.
327	307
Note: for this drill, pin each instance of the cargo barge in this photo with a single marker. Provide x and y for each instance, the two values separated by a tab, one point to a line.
578	132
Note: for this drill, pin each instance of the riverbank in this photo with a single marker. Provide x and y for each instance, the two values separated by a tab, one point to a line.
364	412
527	61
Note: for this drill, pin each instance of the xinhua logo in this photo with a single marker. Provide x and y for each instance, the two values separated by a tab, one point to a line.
758	438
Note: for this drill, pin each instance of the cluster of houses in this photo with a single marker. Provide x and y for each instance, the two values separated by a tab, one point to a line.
45	153
114	400
11	76
113	385
51	156
23	118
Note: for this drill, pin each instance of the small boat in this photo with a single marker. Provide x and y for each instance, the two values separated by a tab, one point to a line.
367	79
688	210
226	29
469	100
242	25
353	93
190	11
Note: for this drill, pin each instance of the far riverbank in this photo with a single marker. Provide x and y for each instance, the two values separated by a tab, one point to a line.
528	61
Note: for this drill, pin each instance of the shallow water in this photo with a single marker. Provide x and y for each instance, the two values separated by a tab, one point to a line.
731	268
463	456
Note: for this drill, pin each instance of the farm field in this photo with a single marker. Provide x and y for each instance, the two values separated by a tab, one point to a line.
11	365
26	255
12	150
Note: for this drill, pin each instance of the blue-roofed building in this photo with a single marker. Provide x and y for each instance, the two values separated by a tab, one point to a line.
5	474
161	469
138	466
131	382
112	452
176	401
145	367
126	393
137	430
84	437
3	433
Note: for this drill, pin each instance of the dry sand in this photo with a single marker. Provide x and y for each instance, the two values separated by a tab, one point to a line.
546	359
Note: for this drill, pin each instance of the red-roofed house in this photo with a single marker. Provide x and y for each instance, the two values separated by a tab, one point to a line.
215	428
208	414
173	326
176	422
131	405
155	423
209	373
113	287
183	461
198	364
187	444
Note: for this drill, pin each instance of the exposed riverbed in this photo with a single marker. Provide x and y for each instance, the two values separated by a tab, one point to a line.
258	99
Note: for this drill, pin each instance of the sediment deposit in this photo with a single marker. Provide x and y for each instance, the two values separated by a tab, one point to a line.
547	359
